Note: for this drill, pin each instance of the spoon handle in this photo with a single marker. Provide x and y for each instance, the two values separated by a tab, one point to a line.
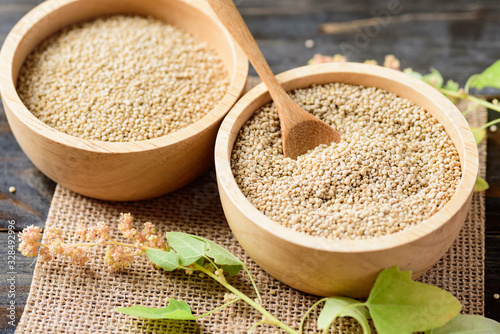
230	17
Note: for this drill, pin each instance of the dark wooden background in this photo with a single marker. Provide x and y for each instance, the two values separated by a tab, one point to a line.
457	37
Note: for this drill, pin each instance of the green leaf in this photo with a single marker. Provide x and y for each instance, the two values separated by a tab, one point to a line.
479	135
221	256
169	261
435	79
481	184
175	310
189	249
452	85
335	307
412	73
489	78
468	324
401	306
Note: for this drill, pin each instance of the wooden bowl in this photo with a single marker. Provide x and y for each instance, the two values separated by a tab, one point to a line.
110	170
345	267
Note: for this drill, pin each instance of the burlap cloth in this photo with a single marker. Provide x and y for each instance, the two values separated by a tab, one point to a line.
69	299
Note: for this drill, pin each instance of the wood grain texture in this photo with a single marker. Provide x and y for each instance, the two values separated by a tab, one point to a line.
335	273
30	203
493	165
118	171
492	265
15	278
457	49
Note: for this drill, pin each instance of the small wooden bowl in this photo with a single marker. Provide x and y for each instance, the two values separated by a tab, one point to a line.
118	171
347	267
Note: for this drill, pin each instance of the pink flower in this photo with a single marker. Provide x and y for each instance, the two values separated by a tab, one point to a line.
149	229
29	240
81	231
76	254
392	62
99	233
53	233
119	258
45	254
339	59
56	247
125	226
321	59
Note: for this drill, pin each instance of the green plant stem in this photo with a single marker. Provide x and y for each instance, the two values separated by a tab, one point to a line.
304	317
270	319
474	99
217	309
248	273
469	110
487	125
222	277
253	283
257	324
108	242
469	81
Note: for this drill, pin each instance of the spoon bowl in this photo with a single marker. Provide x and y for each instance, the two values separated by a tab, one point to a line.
300	130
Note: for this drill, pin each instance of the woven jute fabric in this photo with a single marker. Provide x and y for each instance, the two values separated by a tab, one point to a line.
69	299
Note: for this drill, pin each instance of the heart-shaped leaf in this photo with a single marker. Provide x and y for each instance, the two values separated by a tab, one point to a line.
412	73
478	135
336	307
481	184
468	324
221	256
189	249
452	85
435	79
399	305
175	310
169	261
489	78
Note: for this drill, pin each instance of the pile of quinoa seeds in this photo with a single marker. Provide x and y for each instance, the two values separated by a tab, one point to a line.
121	79
394	167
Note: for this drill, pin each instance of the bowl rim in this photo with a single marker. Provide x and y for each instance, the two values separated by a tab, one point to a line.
12	100
227	183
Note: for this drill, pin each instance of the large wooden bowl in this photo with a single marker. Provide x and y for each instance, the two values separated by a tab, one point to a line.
347	267
118	171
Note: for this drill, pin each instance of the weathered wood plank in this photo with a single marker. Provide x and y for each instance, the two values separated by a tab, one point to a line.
15	279
31	201
492	278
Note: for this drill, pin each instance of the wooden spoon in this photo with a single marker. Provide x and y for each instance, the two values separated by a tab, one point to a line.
300	131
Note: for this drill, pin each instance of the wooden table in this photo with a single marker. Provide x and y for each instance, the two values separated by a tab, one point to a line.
457	37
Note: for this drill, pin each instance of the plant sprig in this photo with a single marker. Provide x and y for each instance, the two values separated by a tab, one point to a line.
396	304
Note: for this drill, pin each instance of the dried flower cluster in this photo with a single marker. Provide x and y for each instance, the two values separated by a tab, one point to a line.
390	61
395	166
30	245
119	255
122	79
